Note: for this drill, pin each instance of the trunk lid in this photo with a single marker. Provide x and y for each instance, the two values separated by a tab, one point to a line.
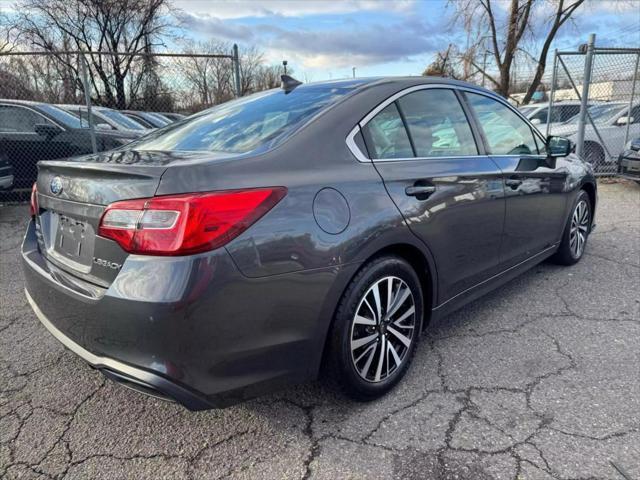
72	195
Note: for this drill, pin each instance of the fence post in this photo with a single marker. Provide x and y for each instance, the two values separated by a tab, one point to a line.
87	99
633	94
586	80
554	76
236	69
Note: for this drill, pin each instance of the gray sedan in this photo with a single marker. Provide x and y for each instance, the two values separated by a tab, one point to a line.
311	227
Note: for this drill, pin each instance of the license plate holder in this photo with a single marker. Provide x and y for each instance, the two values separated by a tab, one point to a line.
73	242
70	235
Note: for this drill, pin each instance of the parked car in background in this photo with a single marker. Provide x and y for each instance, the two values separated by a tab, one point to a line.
537	113
6	174
611	121
104	118
148	119
231	253
173	116
33	131
629	161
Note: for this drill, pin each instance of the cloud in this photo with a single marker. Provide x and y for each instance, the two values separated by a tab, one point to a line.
353	44
214	27
344	44
229	9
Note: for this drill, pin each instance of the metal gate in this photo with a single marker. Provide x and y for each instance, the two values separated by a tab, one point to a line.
606	83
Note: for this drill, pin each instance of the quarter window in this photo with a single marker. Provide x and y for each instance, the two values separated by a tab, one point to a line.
386	136
437	124
506	132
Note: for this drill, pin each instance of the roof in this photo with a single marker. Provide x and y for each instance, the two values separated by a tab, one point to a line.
22	102
401	81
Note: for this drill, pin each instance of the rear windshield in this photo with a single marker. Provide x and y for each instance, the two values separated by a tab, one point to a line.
121	119
62	116
245	124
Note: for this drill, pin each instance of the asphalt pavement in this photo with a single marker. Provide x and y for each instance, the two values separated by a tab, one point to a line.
538	380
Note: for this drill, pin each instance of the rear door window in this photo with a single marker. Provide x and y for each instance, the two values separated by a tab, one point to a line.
437	124
15	119
386	136
506	132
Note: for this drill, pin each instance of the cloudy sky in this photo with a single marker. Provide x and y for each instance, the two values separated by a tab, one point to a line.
326	38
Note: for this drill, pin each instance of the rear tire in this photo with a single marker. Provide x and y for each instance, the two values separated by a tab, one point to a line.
376	328
576	232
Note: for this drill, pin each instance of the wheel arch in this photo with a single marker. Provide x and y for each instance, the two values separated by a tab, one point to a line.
590	188
422	264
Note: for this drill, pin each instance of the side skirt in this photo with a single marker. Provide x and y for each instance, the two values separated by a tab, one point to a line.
489	284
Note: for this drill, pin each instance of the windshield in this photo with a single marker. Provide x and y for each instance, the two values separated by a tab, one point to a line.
526	111
601	112
121	119
61	116
160	117
151	119
245	124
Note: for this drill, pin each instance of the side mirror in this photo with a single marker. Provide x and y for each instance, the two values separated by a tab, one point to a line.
47	130
624	120
536	121
558	146
103	126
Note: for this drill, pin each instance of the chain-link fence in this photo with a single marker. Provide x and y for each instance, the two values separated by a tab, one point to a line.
60	104
603	86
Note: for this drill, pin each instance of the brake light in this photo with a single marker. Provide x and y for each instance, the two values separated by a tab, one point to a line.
185	224
33	203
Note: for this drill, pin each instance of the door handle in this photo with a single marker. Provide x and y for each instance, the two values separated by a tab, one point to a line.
420	191
513	183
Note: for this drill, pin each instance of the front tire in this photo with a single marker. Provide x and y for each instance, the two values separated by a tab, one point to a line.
376	328
576	233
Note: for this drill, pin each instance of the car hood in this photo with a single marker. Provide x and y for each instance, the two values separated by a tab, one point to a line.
563	130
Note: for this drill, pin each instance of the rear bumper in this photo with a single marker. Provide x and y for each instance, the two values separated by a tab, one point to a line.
629	168
192	329
136	378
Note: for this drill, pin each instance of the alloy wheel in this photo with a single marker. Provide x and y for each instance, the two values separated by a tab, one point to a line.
579	228
382	329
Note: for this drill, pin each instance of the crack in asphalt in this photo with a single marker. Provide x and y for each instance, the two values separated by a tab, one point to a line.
530	452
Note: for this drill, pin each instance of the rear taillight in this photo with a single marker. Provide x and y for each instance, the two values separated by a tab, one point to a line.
185	224
33	205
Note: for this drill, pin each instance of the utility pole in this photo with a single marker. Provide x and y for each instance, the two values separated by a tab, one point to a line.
484	65
87	99
586	80
236	68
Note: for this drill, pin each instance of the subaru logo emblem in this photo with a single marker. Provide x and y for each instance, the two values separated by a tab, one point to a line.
56	185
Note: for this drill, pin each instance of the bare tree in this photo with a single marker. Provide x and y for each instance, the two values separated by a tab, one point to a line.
444	65
506	34
251	60
268	76
8	33
119	26
210	77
